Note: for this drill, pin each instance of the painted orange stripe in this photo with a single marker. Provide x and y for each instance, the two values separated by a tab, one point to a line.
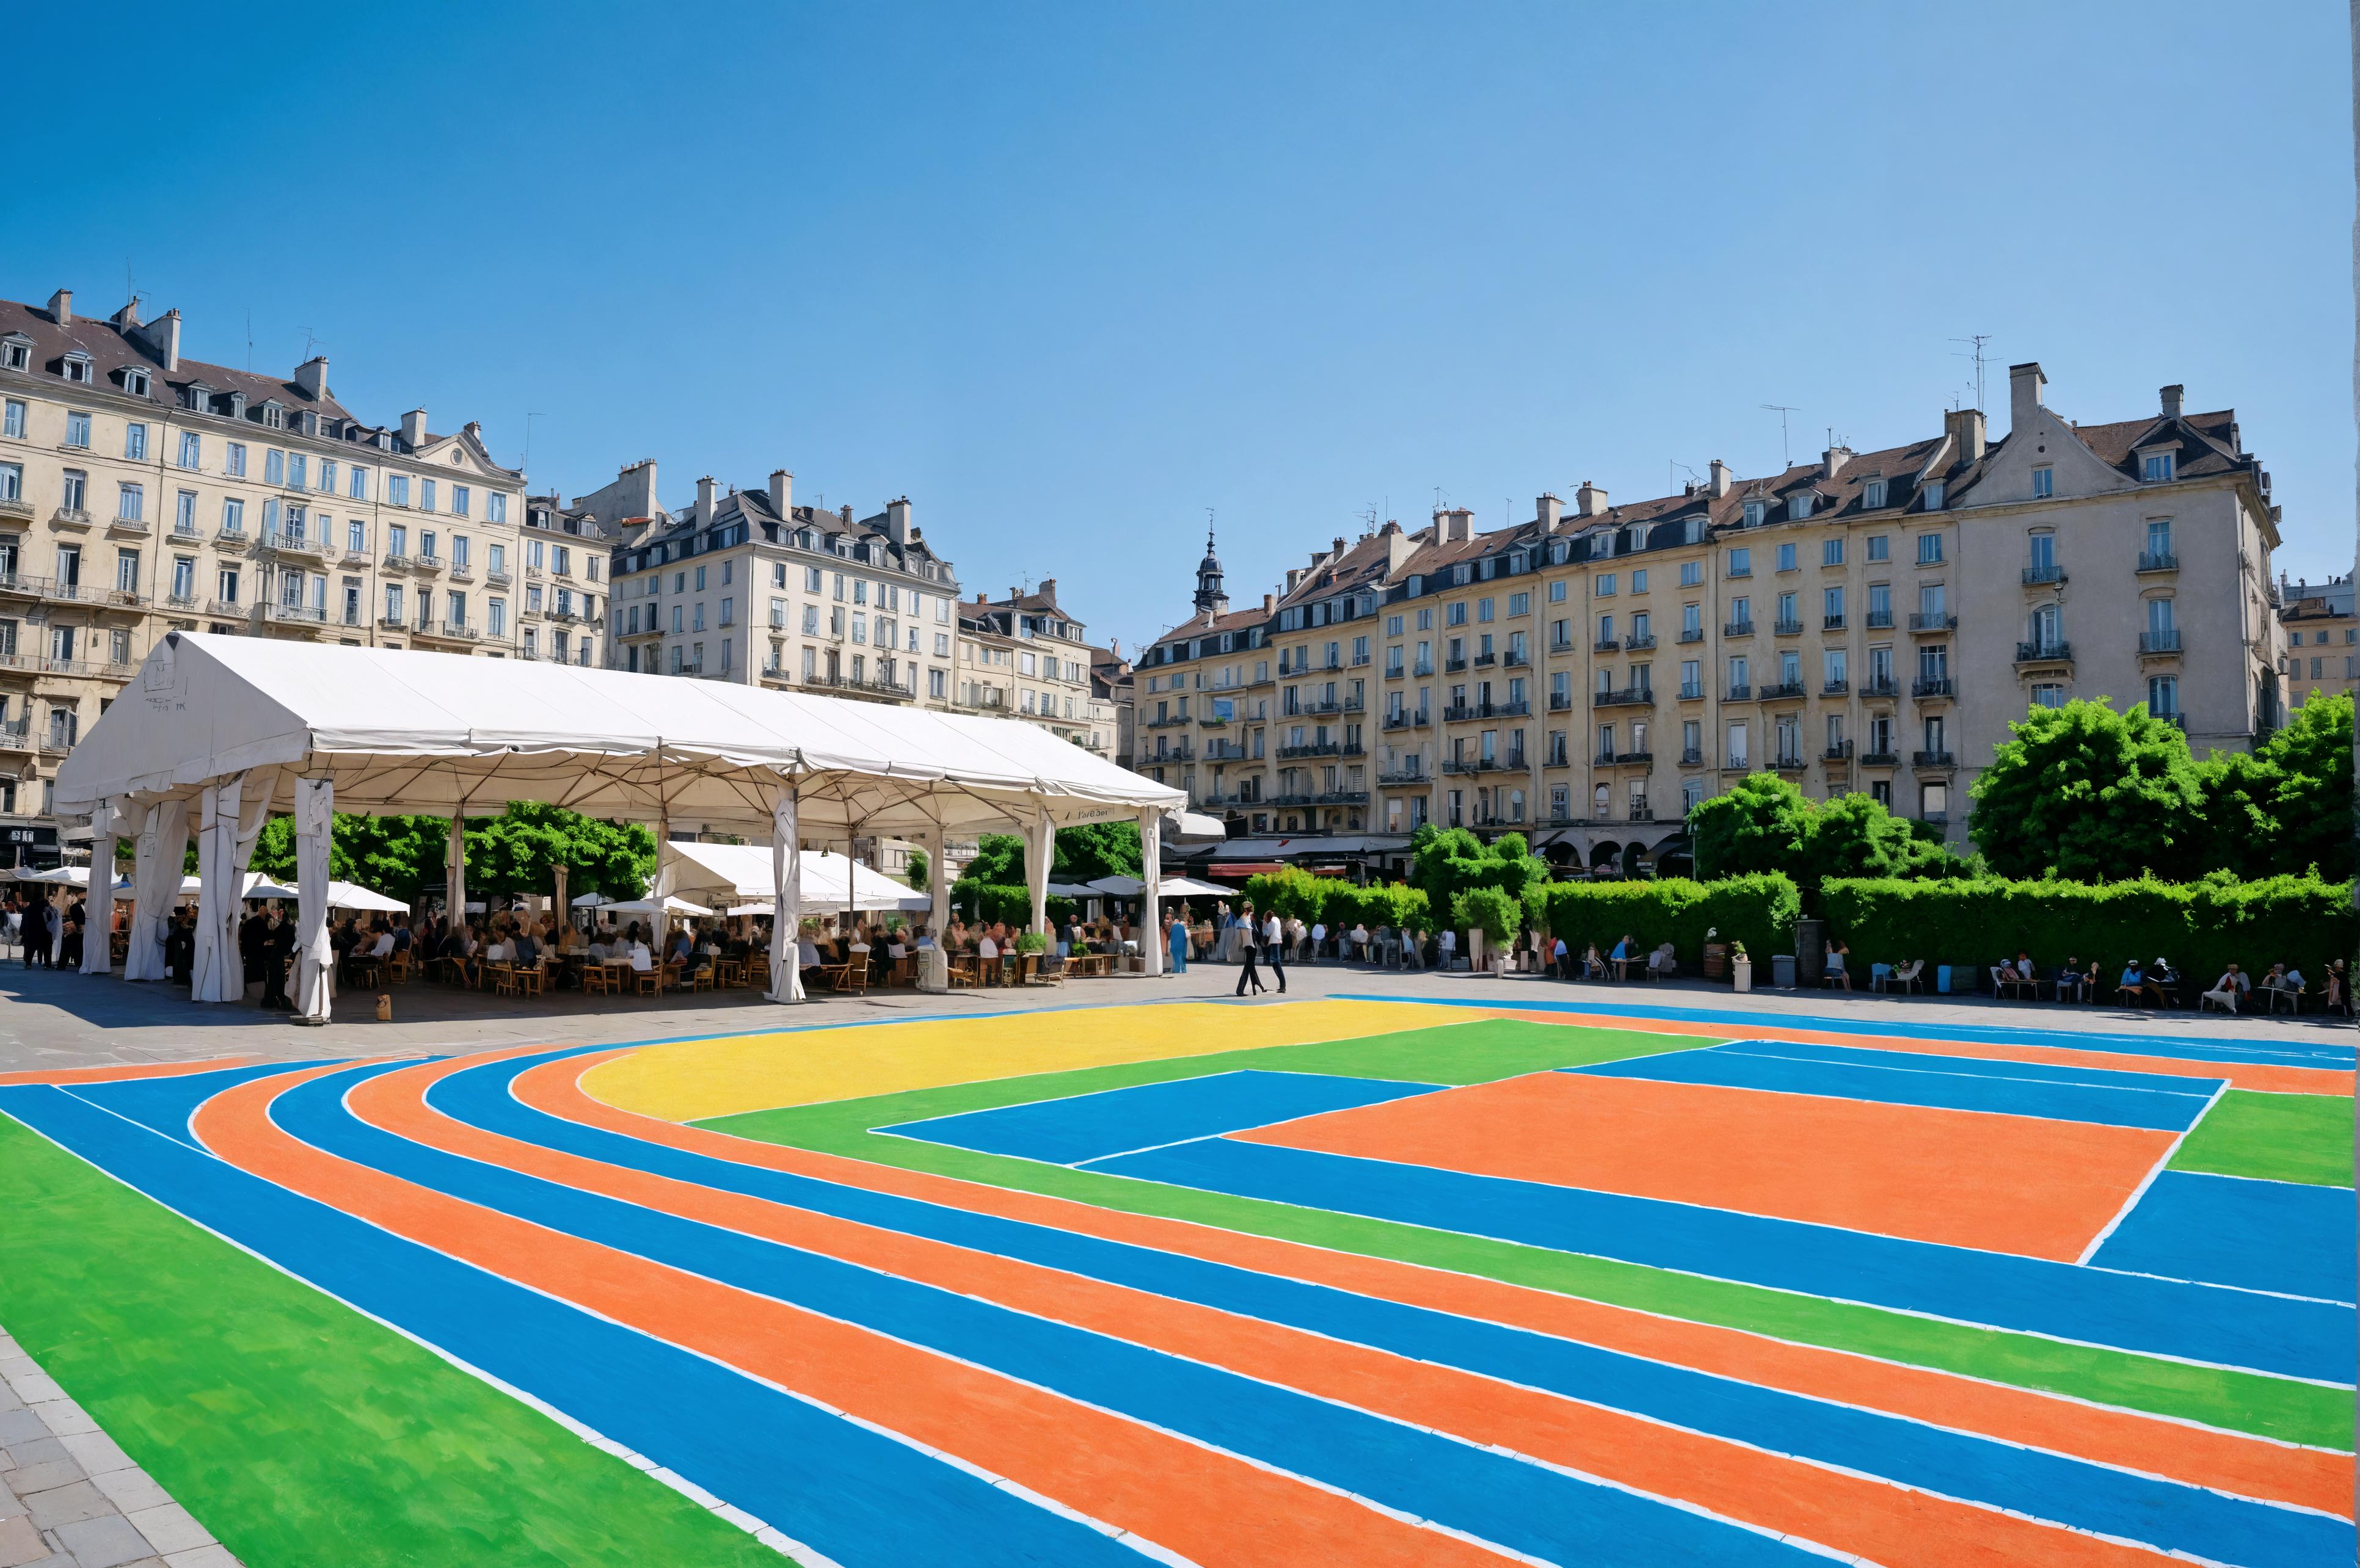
2003	1184
1884	1523
2268	1077
1204	1505
2228	1460
123	1073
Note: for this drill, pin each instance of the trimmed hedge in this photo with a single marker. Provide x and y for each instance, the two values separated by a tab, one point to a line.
1314	900
2201	927
1012	902
1758	910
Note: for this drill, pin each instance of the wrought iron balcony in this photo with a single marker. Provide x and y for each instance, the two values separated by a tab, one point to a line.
1933	623
2034	576
2157	560
2044	653
1932	760
1926	686
2160	642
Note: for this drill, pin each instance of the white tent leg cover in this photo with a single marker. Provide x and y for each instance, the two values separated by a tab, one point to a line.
315	806
1151	871
97	943
786	892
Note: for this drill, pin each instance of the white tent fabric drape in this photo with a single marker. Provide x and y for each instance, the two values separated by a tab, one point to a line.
1150	869
156	886
1039	855
98	927
558	907
61	902
786	891
315	807
217	894
454	872
667	874
934	963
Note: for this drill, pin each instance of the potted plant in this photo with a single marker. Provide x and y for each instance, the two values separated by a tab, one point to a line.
1029	946
1490	916
1741	965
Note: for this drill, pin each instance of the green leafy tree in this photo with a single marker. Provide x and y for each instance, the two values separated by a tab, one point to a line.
920	871
1854	835
1446	861
1088	850
1762	826
1494	911
998	861
2093	794
403	856
2312	805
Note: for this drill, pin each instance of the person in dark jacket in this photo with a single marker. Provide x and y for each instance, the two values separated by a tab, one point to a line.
36	932
277	944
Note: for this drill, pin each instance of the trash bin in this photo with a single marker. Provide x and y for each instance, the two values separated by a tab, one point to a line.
1781	971
1811	951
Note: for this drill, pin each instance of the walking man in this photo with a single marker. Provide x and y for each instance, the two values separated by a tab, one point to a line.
1274	939
1247	934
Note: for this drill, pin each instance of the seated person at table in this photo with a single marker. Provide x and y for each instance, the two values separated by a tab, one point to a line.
2133	980
2230	988
1664	961
642	959
2162	979
524	951
599	950
807	957
2072	982
987	949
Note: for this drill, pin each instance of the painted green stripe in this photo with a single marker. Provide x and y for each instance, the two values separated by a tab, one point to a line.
1477	1052
297	1430
2281	1138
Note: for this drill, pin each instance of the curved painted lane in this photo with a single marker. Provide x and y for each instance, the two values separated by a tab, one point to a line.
2318	1479
2003	1476
1490	1496
854	1494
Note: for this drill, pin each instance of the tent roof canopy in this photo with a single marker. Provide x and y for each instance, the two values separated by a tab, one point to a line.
401	731
743	872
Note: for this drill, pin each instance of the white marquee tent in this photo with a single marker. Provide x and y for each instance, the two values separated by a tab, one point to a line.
215	733
742	872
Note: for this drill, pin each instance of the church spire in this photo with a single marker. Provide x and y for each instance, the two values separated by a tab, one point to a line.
1211	598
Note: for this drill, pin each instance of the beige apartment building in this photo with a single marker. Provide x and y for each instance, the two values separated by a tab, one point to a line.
1024	657
1871	622
2321	635
142	491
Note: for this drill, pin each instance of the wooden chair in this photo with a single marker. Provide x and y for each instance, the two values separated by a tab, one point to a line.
702	979
504	980
670	977
397	967
595	977
528	980
966	970
853	978
1906	978
648	982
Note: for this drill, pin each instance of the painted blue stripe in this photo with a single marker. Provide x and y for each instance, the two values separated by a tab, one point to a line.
2292	1053
2045	1486
1113	1121
1983	1066
2264	1235
1523	1506
1917	1080
164	1105
2201	1322
854	1494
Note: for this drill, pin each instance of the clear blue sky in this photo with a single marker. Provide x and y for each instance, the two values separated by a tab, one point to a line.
1069	275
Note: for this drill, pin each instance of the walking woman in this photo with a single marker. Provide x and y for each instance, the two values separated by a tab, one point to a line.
1248	936
1175	933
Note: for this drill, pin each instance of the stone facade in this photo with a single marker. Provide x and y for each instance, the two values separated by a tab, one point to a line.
142	491
2322	634
1871	622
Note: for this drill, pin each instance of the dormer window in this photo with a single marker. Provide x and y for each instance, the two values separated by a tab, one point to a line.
15	353
1798	506
78	368
1933	495
135	381
274	417
1638	537
1872	494
2157	467
1755	511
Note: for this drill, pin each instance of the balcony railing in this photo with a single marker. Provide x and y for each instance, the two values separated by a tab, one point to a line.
1932	760
498	577
1835	688
1692	634
1746	570
1606	644
1840	752
1931	686
1634	759
1789	628
1603	759
288	542
1407	720
1395	671
1626	697
1692	757
2157	560
1639	642
2044	653
452	631
1560	701
1402	776
296	615
1880	686
1313	748
1787	762
73	518
1737	629
1453	666
1485	660
2035	575
1741	692
1880	620
1832	623
1919	622
1517	658
1781	690
2160	642
1692	692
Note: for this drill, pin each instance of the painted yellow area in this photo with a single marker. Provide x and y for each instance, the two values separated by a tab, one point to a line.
692	1080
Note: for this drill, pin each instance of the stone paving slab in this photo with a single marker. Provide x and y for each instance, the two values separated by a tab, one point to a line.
70	1495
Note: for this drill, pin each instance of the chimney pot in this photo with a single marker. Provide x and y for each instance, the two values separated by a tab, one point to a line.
1832	461
2173	395
61	307
2024	387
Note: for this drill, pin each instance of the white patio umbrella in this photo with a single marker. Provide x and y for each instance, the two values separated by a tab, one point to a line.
353	896
1189	888
1119	886
589	901
257	885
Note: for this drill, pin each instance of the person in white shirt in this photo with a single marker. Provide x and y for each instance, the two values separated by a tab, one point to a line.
1447	947
2229	988
642	959
1319	938
1360	943
986	948
1273	943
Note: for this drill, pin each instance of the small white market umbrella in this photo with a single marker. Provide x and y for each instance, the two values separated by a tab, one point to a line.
353	896
589	901
675	906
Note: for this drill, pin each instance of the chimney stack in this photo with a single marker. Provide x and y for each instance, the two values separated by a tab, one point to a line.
1831	461
163	335
1589	501
127	318
61	307
1965	427
2024	386
1720	483
1269	604
1339	548
2173	395
704	501
1548	510
312	376
782	491
413	427
896	520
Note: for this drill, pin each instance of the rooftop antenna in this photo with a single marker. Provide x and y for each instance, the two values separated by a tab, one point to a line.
1975	345
249	342
1786	448
1673	468
529	417
310	342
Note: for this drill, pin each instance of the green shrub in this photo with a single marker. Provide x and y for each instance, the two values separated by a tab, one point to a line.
1758	910
1315	900
1032	941
1489	910
2201	927
1012	902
